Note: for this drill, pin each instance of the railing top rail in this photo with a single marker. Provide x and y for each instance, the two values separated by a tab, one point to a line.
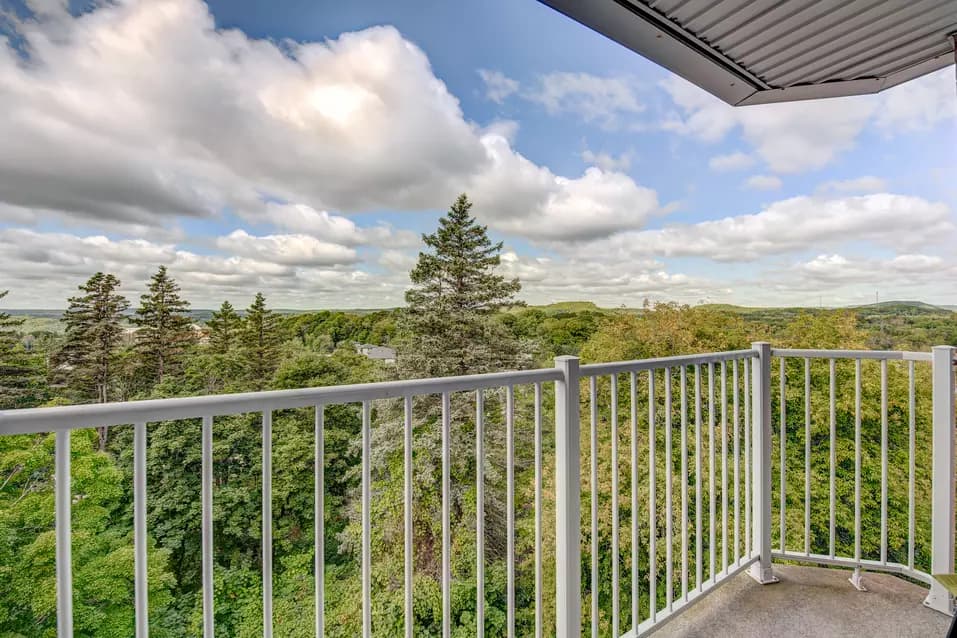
887	355
639	365
53	419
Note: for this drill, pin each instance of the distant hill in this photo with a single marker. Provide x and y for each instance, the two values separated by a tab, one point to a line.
903	307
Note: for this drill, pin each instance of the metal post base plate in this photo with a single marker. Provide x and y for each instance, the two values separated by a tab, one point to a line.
763	575
857	579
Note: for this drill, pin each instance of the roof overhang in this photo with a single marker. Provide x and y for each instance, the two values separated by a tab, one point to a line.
763	51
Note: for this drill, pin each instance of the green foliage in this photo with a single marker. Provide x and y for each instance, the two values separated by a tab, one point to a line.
93	337
224	329
461	319
164	327
260	340
455	292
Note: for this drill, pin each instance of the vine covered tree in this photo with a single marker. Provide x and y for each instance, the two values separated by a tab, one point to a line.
224	328
260	339
164	326
449	322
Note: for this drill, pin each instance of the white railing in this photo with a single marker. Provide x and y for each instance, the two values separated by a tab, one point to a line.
718	524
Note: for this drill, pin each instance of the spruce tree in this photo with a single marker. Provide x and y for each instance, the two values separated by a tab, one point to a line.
13	371
94	333
224	328
449	322
260	340
164	326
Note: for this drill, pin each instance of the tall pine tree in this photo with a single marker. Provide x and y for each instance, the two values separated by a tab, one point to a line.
224	327
164	326
260	341
13	372
94	334
448	324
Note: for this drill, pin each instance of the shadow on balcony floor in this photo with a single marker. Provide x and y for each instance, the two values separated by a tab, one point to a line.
811	602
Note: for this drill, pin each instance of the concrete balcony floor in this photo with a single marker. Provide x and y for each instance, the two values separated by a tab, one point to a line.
810	602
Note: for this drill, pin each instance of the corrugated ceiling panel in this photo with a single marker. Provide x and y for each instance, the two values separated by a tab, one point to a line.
782	47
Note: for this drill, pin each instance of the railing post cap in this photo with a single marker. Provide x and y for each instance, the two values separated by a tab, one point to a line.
562	359
944	348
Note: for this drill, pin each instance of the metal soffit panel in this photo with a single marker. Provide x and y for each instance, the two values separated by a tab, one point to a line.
760	51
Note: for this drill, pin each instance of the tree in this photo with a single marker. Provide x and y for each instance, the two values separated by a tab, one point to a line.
455	293
164	326
94	333
13	372
224	328
260	340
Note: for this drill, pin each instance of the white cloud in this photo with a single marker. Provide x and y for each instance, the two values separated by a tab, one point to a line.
498	86
763	182
730	162
808	135
606	161
897	270
865	184
297	250
800	223
611	102
111	133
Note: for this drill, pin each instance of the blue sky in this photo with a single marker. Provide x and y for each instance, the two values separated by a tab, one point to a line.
299	148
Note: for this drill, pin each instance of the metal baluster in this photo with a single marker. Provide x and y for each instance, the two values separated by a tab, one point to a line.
911	450
684	483
697	478
615	553
593	390
833	450
64	550
407	503
267	523
446	518
669	463
712	493
319	551
207	526
724	467
652	508
747	458
807	456
141	589
479	513
782	496
510	506
635	611
884	461
856	577
736	412
538	511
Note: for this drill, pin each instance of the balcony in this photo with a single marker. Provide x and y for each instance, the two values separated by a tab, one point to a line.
705	462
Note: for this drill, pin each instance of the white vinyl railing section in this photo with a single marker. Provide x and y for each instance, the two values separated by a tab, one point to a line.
699	481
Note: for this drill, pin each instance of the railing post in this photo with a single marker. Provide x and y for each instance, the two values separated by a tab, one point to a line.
942	498
568	501
761	462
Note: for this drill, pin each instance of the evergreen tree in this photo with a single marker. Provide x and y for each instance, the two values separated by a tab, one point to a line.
224	328
449	321
260	340
164	326
13	372
94	334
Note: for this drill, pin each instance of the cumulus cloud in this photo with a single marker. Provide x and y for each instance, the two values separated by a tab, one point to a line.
799	223
298	250
139	113
763	182
802	136
607	161
866	184
498	86
730	162
610	101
